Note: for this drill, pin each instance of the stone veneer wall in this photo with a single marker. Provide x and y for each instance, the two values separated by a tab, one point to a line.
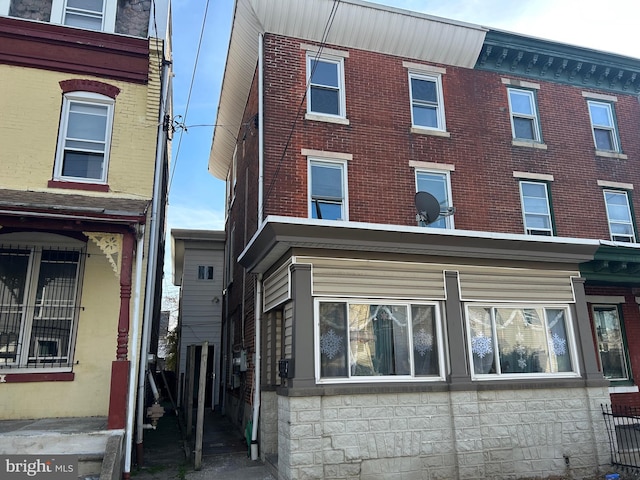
495	434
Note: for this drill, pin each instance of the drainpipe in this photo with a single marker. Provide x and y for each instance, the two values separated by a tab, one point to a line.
152	259
135	327
256	373
258	297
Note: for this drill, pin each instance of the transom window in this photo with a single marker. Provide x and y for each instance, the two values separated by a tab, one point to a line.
326	86
619	216
611	342
603	125
38	305
524	118
84	138
327	199
378	341
535	208
514	340
438	185
427	109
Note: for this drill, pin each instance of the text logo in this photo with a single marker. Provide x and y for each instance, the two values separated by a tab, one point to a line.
39	467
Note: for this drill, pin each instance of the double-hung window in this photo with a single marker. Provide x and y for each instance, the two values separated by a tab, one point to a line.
524	116
38	305
99	15
326	96
437	184
536	210
361	340
520	340
603	125
84	138
619	216
427	110
327	190
611	342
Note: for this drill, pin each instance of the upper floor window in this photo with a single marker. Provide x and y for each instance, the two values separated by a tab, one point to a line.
536	211
326	86
365	340
327	190
619	216
84	138
603	125
427	109
205	272
437	184
516	340
38	305
524	116
611	342
88	14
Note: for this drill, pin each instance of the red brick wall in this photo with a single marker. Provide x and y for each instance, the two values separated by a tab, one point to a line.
486	196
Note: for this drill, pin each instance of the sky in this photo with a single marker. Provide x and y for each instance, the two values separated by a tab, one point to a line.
201	30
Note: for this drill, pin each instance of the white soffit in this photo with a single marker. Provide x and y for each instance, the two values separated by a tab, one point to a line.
357	24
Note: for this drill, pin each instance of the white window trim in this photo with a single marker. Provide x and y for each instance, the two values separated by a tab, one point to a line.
522	207
108	19
440	114
449	220
341	117
382	378
89	98
4	7
345	186
536	120
613	129
623	334
571	343
606	208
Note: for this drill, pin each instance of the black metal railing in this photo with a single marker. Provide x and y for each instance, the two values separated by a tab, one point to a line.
623	429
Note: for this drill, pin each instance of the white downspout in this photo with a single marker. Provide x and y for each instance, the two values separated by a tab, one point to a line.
256	373
258	297
152	257
135	327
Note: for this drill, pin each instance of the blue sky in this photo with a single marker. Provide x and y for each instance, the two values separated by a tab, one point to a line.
196	198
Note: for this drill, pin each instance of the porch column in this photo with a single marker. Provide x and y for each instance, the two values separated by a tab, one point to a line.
304	372
120	366
460	377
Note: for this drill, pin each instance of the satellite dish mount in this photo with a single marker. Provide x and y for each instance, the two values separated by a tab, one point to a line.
429	209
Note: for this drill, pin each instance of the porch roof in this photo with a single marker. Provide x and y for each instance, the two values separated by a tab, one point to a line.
279	234
25	203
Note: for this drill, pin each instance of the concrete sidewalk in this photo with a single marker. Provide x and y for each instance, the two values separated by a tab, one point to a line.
224	453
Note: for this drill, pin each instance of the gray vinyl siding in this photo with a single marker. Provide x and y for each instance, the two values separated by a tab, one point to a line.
516	284
277	287
288	330
201	315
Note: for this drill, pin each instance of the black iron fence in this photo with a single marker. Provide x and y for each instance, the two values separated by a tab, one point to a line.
623	429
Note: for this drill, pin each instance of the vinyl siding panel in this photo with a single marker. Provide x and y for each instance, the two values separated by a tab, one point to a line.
277	287
516	284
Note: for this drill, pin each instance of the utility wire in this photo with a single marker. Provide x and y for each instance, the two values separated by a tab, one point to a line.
323	41
186	109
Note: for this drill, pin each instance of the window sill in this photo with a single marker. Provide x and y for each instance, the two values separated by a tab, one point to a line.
606	154
623	389
430	131
529	144
326	118
25	377
92	187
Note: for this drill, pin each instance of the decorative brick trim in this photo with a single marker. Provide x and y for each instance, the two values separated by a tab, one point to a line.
93	187
85	85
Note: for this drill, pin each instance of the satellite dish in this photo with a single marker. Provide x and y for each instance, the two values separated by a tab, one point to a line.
427	206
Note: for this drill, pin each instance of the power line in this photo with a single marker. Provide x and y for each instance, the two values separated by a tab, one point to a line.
186	110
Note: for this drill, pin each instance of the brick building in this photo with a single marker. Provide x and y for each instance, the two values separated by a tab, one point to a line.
86	95
478	344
